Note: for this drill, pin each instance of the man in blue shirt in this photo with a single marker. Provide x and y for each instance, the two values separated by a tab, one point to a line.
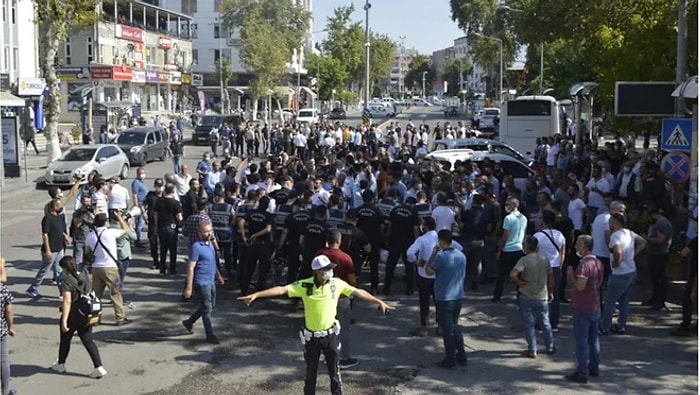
139	190
449	266
202	276
511	244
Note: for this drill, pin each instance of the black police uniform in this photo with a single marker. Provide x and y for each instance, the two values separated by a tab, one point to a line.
352	242
336	217
281	196
257	250
423	210
167	210
403	220
242	210
150	205
385	206
314	240
369	220
295	225
220	215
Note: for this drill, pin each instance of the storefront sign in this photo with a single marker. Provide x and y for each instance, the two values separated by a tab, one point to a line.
122	73
4	82
169	67
186	79
165	42
73	73
31	87
151	76
164	77
175	77
129	33
138	76
101	72
197	80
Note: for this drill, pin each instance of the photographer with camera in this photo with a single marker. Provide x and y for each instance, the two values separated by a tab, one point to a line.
82	222
124	241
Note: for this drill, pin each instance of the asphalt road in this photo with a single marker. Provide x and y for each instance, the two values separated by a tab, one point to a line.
260	351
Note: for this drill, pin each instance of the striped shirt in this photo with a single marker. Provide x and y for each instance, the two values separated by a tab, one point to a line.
588	300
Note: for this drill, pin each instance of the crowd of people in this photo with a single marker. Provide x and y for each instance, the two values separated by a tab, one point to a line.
331	202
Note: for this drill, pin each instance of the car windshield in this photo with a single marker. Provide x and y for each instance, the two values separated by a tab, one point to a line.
209	120
491	112
306	114
130	138
78	155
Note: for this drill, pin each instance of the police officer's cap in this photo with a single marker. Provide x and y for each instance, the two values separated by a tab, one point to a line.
322	262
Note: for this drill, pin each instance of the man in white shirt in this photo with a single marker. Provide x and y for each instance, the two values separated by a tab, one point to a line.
552	158
624	245
551	244
419	253
357	138
443	215
182	181
102	243
596	188
119	197
600	231
576	207
299	141
321	196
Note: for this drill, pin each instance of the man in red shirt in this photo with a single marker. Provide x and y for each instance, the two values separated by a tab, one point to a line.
585	301
344	270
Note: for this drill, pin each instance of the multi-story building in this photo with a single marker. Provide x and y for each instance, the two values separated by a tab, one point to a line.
137	53
399	68
472	73
19	63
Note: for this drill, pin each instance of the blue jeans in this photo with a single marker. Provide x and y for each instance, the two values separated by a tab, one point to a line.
123	267
556	303
533	311
587	343
345	318
448	319
46	264
619	291
139	228
206	297
177	164
78	253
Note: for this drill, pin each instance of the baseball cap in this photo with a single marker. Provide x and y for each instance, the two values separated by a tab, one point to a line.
158	182
322	262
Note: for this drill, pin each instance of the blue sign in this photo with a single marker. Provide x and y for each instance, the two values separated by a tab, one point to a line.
676	165
366	112
677	134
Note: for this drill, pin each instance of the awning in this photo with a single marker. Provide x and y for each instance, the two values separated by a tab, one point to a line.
9	100
688	89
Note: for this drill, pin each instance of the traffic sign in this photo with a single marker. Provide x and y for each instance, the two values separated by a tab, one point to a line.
676	165
676	134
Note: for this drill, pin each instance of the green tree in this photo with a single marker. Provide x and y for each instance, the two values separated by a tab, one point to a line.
225	72
54	19
346	41
381	54
451	73
329	72
414	77
270	31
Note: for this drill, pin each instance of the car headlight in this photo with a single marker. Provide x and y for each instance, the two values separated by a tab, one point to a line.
135	149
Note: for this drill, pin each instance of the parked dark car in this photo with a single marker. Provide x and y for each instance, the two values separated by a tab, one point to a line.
208	122
142	144
337	113
451	111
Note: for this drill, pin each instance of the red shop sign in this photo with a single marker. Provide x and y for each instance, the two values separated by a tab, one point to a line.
101	72
129	33
165	42
122	73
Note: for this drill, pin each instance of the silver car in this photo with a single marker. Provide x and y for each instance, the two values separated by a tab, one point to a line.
106	159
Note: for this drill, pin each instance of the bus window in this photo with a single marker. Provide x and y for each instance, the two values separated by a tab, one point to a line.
529	107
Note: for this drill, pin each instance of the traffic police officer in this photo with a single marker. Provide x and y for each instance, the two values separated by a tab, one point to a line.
255	230
403	228
320	334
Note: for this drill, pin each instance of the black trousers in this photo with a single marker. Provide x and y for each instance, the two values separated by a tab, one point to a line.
168	243
85	334
293	263
254	254
426	291
607	270
398	250
688	303
506	264
226	248
657	273
330	347
374	267
153	241
475	251
31	141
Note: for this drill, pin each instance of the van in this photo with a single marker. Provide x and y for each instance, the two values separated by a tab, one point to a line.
308	115
208	122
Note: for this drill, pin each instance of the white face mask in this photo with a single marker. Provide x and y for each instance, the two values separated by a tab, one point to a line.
327	275
142	176
579	254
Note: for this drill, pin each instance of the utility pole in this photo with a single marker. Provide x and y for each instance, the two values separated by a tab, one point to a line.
367	44
542	69
423	92
402	75
681	52
221	69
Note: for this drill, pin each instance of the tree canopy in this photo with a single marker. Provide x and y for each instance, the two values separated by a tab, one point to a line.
329	72
414	77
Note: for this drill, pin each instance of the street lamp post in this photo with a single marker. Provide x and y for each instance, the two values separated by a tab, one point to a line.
367	45
424	73
500	76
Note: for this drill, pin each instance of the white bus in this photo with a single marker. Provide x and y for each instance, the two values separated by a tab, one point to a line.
526	118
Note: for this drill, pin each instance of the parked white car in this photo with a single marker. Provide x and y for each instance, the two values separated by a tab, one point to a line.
106	159
308	115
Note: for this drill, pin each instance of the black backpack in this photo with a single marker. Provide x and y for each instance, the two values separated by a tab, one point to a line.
87	307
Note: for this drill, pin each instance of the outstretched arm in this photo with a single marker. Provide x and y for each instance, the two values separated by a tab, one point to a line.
274	291
362	294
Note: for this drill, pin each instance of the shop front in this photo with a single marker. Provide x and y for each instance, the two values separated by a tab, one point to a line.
111	83
138	86
152	100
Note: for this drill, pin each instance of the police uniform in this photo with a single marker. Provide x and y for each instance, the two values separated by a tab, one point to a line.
314	239
352	242
281	196
321	330
385	206
242	210
423	210
403	220
369	220
336	217
258	250
220	215
295	223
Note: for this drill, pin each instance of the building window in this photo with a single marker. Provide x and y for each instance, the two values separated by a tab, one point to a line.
195	56
14	12
4	10
68	51
217	31
15	58
89	47
217	55
101	55
6	63
188	6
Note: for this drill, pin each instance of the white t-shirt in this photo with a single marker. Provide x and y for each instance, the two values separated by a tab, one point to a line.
552	155
99	199
119	197
547	249
599	226
595	199
182	184
444	218
625	239
576	208
108	239
320	197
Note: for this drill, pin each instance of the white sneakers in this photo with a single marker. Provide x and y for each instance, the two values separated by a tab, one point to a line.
58	367
97	373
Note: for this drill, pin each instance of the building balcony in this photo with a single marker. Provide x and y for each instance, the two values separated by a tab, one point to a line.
140	15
